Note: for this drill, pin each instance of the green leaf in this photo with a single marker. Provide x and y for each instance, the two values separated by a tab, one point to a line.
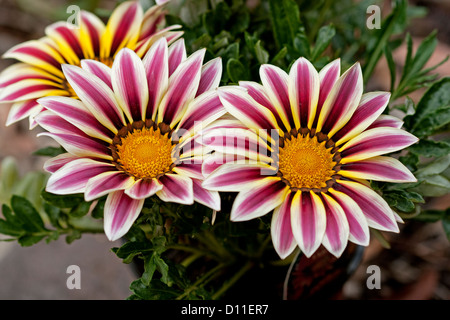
235	70
324	37
30	219
132	248
80	210
435	167
11	226
72	236
432	122
49	151
285	18
261	54
155	291
29	240
433	186
430	148
62	201
391	65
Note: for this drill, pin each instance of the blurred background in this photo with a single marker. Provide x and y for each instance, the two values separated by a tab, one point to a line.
416	266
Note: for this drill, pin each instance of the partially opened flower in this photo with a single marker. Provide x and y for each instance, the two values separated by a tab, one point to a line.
131	135
314	144
38	72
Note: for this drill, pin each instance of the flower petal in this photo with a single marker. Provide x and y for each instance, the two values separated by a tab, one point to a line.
176	188
337	227
281	229
276	82
97	97
263	196
122	29
143	189
76	113
234	177
177	54
210	76
99	69
328	76
341	101
74	175
191	170
22	71
378	168
304	86
385	120
157	69
183	85
31	89
67	41
119	214
375	142
56	163
91	30
308	219
130	84
211	199
107	182
22	109
377	212
358	227
371	106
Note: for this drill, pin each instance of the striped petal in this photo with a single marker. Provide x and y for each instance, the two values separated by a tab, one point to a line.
375	142
22	109
328	76
276	82
122	29
262	197
56	163
236	177
152	18
67	41
385	120
176	188
211	199
183	85
31	89
177	54
377	212
239	104
371	106
98	69
22	71
73	177
91	30
97	97
337	228
107	182
191	170
157	70
143	189
304	87
210	76
130	84
308	219
119	214
38	53
378	168
281	228
341	101
358	227
75	112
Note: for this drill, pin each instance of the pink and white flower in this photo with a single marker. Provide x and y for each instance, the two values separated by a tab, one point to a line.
132	132
315	140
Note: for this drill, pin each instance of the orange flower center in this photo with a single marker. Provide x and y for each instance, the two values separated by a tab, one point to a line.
304	162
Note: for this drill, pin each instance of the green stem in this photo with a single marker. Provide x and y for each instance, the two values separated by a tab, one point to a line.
203	280
227	285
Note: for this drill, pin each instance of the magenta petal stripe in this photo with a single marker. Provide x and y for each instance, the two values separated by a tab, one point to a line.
371	106
157	70
120	213
208	198
176	188
91	29
328	76
177	54
304	87
358	227
22	109
276	85
341	101
385	120
337	227
236	177
74	175
30	89
183	85
56	163
66	40
210	76
375	142
97	97
99	69
143	189
22	71
378	213
264	196
308	219
107	182
281	229
130	85
378	168
192	170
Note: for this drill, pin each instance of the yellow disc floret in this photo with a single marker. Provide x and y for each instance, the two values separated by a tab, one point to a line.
304	162
145	153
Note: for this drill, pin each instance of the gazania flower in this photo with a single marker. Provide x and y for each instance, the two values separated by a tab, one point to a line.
314	144
39	74
131	135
